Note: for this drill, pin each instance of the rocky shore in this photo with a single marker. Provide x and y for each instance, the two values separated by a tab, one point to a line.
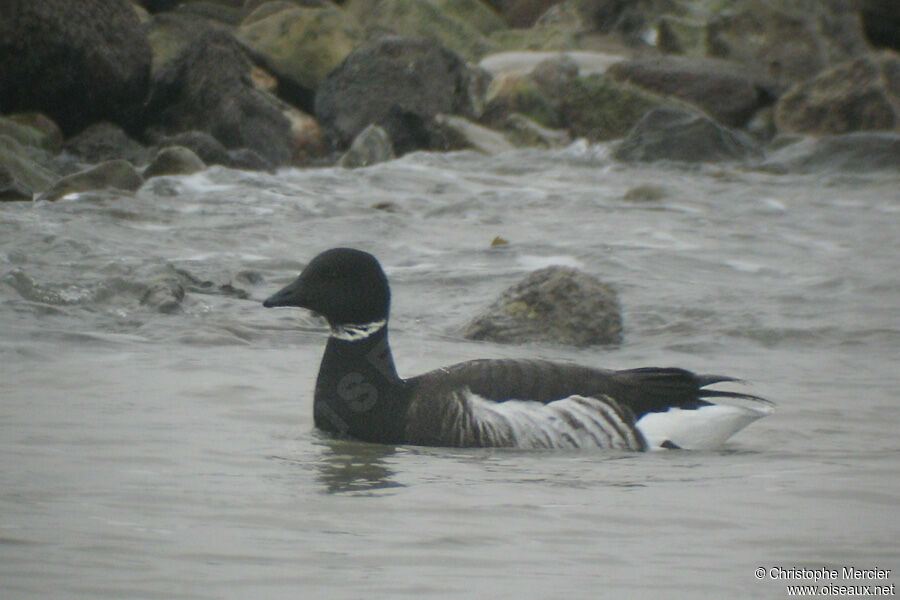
103	94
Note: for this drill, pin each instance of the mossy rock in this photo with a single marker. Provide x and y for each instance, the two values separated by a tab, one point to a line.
557	305
421	18
513	92
302	44
598	108
473	12
114	174
549	37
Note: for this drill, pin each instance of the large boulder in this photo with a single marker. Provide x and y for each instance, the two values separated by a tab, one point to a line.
860	94
420	18
791	41
78	62
399	84
729	91
677	134
208	87
557	304
301	45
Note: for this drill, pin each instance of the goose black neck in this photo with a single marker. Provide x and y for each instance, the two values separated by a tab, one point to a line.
358	391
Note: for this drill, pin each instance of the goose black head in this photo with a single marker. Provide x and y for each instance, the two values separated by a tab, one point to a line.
344	285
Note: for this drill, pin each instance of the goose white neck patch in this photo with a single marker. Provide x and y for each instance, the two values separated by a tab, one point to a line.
354	332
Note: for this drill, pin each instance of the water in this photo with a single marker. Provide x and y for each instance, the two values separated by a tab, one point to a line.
154	450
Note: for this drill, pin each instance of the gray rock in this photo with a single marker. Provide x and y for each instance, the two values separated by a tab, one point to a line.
209	149
114	174
792	41
556	305
371	146
21	176
78	62
164	295
860	94
681	135
522	131
434	20
106	141
462	134
730	92
207	87
32	129
397	83
174	160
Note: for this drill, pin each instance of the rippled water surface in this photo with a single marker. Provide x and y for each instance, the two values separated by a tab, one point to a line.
158	447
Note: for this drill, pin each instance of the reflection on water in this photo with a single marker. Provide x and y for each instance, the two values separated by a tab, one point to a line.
358	467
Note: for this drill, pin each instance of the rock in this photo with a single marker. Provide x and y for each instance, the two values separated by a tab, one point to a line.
164	295
309	142
538	38
116	174
557	305
174	160
730	92
257	10
399	84
169	35
106	141
518	93
859	94
677	134
599	108
676	35
78	62
645	192
371	146
206	147
522	131
524	62
420	18
248	160
860	152
300	46
522	13
214	11
155	6
791	41
462	134
21	177
881	22
472	12
593	106
32	129
207	87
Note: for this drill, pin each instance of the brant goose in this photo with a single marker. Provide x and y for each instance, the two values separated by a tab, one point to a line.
492	403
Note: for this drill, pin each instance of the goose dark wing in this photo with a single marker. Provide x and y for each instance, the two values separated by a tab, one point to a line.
543	404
